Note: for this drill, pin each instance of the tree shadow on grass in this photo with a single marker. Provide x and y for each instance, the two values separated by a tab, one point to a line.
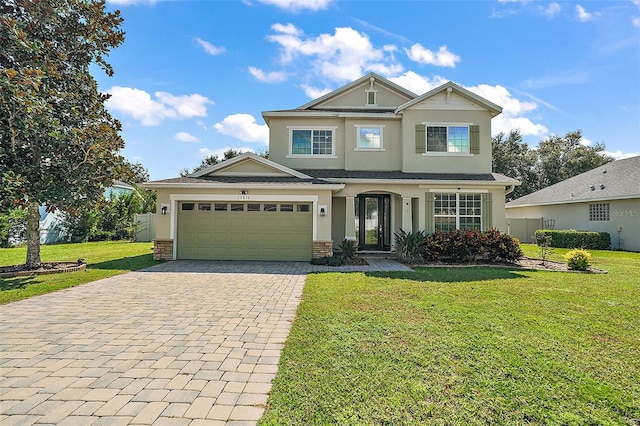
15	283
454	274
132	263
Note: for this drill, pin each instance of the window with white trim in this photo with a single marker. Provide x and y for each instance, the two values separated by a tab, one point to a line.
447	139
372	97
599	212
457	211
311	142
369	137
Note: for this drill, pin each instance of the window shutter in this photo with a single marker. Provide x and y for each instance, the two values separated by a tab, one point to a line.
474	139
421	139
429	212
487	209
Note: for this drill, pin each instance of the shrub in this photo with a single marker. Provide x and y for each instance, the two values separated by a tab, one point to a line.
462	246
328	261
577	239
543	241
347	249
409	245
578	259
13	225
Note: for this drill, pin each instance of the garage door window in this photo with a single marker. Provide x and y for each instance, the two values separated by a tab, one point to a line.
220	207
187	206
253	207
303	208
270	207
204	207
286	207
237	207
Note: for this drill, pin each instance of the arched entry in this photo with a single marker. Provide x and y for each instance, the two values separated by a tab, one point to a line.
373	221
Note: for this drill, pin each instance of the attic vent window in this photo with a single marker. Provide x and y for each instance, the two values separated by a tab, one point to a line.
372	97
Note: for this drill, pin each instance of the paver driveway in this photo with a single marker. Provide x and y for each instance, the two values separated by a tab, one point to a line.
179	343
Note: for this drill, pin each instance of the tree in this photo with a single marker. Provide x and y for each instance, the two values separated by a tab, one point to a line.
554	160
59	146
136	172
560	158
512	157
213	159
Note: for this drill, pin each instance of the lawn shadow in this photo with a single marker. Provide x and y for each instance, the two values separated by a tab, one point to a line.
132	263
454	274
16	283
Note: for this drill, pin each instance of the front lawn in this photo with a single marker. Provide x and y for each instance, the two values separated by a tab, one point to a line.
465	346
103	259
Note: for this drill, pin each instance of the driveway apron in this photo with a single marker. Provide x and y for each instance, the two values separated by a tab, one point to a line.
179	343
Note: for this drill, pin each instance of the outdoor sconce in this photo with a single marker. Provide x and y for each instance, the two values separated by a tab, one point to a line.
322	210
164	209
243	192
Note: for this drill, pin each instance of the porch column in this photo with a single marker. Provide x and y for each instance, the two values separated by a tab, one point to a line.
407	219
350	219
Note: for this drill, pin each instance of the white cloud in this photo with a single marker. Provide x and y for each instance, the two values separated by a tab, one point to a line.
635	20
140	106
243	127
295	5
513	112
418	84
552	10
210	48
619	155
185	137
339	57
583	15
314	92
442	58
270	77
584	141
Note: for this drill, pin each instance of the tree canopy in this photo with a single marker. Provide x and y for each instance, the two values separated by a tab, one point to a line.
214	159
59	146
555	159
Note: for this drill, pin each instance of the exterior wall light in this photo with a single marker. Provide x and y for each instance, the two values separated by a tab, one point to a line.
164	209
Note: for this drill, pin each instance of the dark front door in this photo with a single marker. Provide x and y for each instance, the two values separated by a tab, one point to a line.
374	222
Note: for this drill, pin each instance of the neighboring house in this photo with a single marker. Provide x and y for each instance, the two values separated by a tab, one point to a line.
360	163
50	229
605	199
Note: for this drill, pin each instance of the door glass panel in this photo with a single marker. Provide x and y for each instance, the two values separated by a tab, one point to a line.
371	221
357	216
386	226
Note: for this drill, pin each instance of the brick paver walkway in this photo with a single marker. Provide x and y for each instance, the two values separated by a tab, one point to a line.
180	343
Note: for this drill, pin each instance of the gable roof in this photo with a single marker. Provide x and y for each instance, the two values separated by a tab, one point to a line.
362	80
467	94
616	180
268	168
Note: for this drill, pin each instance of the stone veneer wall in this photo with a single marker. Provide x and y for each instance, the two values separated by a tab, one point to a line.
163	249
322	249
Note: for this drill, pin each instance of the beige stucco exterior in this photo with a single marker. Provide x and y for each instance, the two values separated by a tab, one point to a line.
623	224
412	177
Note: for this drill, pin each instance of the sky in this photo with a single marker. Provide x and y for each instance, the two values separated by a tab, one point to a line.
193	77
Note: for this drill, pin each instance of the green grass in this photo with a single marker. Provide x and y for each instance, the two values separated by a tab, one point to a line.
465	346
104	259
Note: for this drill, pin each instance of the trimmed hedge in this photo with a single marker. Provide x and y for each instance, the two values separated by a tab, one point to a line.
466	246
576	239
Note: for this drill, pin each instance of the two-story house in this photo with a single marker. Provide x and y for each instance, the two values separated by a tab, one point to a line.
362	162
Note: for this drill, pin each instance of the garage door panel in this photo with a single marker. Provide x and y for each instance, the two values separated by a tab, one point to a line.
236	235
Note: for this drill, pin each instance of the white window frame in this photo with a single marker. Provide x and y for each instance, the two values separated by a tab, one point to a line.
312	129
365	126
375	98
447	152
457	207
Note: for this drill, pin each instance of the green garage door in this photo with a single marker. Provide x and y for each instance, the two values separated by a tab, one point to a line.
244	230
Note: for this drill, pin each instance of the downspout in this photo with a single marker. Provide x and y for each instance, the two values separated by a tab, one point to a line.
510	190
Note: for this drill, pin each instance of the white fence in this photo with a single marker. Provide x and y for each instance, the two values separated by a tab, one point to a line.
523	228
145	227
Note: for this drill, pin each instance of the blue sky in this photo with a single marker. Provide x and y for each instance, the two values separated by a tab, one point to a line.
193	77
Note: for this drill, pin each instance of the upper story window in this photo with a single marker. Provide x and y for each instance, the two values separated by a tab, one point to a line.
312	142
447	138
372	97
369	137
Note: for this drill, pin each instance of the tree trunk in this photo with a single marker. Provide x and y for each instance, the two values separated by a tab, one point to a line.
33	235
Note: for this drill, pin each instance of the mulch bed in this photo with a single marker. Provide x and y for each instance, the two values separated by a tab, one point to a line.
45	268
524	263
